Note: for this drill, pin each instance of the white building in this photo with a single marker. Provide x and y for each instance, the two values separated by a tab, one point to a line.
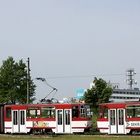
119	95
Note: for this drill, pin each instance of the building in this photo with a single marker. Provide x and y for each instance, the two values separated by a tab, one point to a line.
130	94
120	95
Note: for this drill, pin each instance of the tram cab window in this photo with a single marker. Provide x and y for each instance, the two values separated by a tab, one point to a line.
33	113
133	111
8	112
48	112
75	112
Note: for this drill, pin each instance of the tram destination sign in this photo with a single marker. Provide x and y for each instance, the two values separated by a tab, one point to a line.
133	124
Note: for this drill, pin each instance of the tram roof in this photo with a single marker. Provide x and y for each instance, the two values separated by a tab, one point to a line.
56	105
120	104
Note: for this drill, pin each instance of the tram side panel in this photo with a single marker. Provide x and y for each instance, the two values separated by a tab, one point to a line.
111	119
119	118
81	119
103	125
7	120
15	119
44	118
81	125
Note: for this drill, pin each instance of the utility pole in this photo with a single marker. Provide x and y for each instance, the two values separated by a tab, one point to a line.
28	79
130	80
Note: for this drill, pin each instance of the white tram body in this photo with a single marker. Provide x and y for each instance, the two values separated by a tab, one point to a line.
45	118
119	118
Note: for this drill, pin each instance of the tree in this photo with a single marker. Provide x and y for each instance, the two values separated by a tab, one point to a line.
99	93
13	82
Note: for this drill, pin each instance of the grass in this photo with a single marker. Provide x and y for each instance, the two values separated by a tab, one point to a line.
68	137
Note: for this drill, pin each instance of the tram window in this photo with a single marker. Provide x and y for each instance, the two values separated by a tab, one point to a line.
8	112
112	117
137	112
82	111
60	115
33	113
88	111
133	111
103	112
22	118
47	112
130	112
15	118
75	112
121	117
67	115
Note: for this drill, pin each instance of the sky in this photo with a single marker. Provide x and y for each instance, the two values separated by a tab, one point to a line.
71	42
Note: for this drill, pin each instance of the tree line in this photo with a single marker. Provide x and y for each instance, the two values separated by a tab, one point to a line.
13	82
13	85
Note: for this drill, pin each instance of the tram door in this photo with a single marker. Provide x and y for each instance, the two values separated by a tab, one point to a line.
116	121
18	121
63	120
120	120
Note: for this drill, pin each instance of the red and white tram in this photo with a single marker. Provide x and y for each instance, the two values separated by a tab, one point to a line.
45	118
119	118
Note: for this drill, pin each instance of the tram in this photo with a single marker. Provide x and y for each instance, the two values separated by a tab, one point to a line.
45	118
119	118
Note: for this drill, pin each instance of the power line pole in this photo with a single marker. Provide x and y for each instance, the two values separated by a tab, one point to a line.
28	79
130	80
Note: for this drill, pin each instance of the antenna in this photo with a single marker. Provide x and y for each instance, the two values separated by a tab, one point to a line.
130	77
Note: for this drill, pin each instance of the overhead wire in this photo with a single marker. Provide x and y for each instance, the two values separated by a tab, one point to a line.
82	76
